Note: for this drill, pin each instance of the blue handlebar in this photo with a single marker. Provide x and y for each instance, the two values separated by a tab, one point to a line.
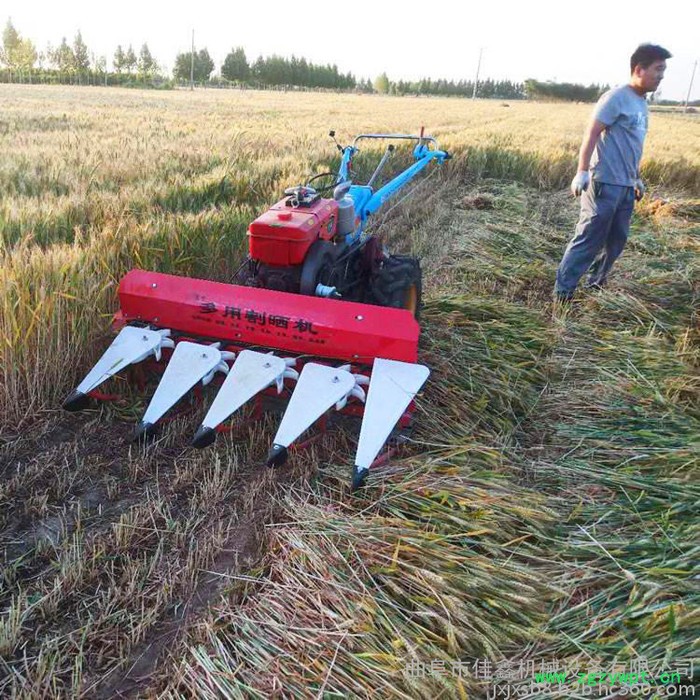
366	200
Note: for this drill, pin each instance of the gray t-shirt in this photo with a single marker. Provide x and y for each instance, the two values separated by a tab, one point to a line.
618	151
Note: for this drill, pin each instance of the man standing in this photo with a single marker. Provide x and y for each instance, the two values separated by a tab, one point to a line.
609	156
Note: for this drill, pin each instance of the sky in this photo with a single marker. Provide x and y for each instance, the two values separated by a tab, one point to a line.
565	41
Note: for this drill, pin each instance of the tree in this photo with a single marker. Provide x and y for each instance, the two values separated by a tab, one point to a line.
10	42
62	57
26	56
365	86
181	70
10	45
17	53
130	60
203	66
118	60
381	84
81	56
235	66
147	65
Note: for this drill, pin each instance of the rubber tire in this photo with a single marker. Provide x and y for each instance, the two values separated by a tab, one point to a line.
398	282
318	255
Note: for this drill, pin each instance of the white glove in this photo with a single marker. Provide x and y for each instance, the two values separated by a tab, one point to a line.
639	189
580	182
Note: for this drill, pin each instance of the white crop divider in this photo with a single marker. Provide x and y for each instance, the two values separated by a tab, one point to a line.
319	388
393	385
190	363
251	373
131	345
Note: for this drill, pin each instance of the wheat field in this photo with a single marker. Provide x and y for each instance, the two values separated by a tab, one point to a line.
545	506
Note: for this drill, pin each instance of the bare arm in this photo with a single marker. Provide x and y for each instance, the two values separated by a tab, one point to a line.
590	138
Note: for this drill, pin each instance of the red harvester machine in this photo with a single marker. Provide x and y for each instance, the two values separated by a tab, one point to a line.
322	314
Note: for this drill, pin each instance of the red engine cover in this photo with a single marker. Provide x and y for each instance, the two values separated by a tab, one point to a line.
283	235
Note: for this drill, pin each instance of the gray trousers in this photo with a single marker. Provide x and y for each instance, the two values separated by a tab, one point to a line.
601	234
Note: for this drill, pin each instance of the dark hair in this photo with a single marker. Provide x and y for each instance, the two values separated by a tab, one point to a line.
646	54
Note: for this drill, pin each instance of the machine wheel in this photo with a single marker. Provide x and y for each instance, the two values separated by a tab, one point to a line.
319	259
397	282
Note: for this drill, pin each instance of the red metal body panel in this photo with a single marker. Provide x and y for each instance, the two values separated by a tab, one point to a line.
277	320
283	235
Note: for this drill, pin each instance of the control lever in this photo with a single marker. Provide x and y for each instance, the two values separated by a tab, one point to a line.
331	133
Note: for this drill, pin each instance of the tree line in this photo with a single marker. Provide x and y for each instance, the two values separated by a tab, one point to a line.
68	62
500	89
73	62
264	72
557	92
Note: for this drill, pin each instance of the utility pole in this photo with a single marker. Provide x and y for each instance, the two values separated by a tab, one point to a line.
476	80
192	64
690	87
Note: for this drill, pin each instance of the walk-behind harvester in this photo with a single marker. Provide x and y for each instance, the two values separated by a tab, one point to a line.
316	288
